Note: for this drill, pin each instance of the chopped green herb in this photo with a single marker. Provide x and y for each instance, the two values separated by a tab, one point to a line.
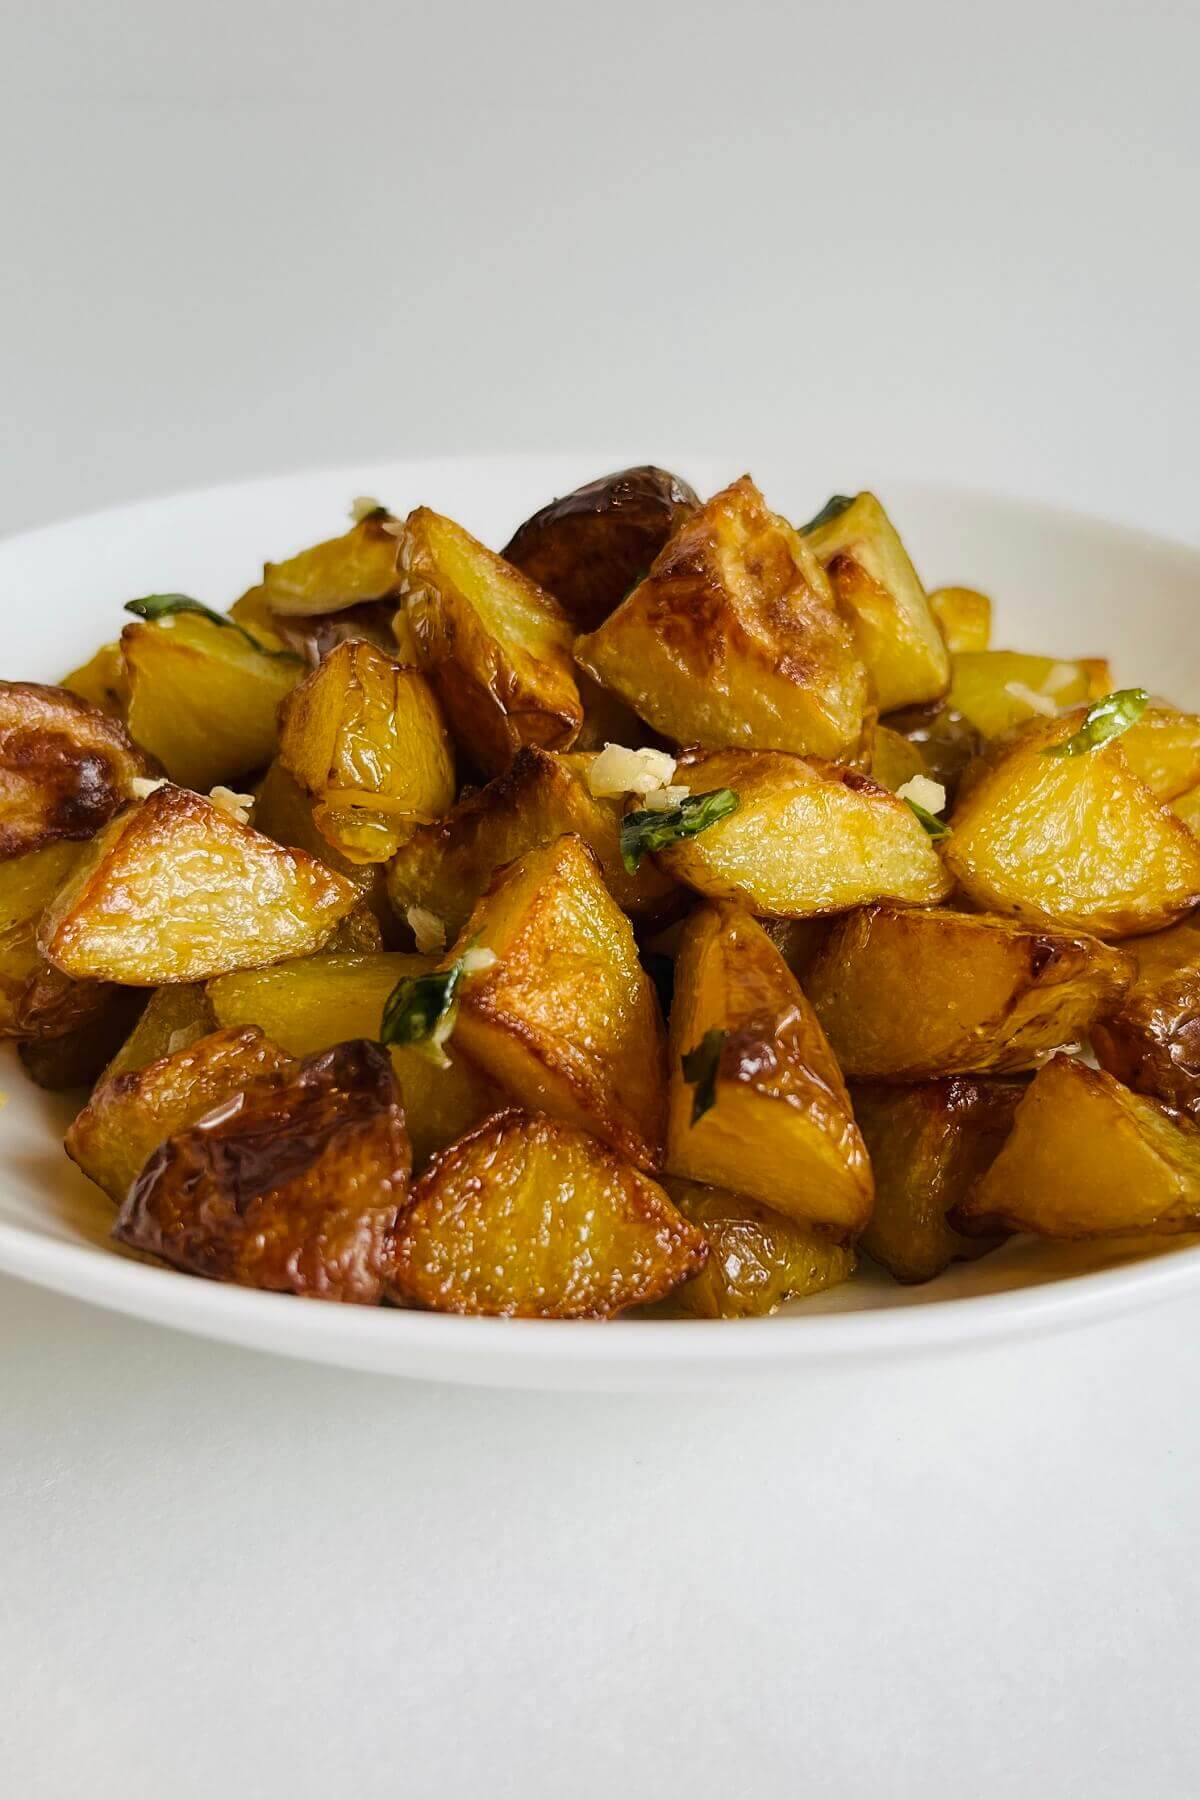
700	1067
422	1009
1103	722
164	606
937	828
832	509
645	831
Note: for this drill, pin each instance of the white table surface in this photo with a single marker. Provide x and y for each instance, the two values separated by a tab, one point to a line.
952	242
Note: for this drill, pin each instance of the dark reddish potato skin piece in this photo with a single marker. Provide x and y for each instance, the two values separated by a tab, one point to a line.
314	635
65	767
294	1185
589	548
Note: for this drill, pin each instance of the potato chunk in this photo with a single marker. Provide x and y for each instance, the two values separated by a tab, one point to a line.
592	546
132	1113
1074	841
1163	748
341	572
177	890
1087	1158
172	1019
757	1259
878	591
756	1101
905	995
567	1020
366	739
27	886
65	767
929	1143
1151	1039
946	742
102	681
997	689
283	811
79	1056
1187	808
528	1218
807	837
964	618
295	1184
895	759
497	649
733	638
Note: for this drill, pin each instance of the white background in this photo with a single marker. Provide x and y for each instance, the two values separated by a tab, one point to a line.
938	240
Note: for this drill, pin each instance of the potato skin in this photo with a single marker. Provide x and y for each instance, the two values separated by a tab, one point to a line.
1151	1039
79	1057
172	1019
757	1259
295	1184
527	1217
591	546
339	573
65	767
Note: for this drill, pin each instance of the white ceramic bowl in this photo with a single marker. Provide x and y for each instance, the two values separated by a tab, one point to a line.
1061	583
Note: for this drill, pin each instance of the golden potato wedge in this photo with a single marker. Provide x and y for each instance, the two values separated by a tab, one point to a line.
360	566
929	1143
1163	748
1150	1040
1073	841
102	681
178	890
733	638
592	546
895	759
1187	808
997	689
807	837
964	618
365	738
296	1184
906	995
1087	1158
80	1055
173	1019
756	1101
526	1217
567	1020
497	649
27	886
131	1114
540	797
757	1259
879	593
202	699
319	1001
284	812
65	767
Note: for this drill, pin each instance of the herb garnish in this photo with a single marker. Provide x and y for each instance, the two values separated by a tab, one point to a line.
422	1009
645	831
1103	722
700	1066
937	828
833	508
164	606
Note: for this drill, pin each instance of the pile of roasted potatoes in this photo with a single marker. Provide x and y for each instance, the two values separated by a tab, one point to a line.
660	913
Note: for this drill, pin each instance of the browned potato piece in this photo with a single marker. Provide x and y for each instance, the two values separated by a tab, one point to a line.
528	1218
173	1019
296	1185
65	768
1163	748
341	572
929	1143
283	811
767	1113
964	618
1151	1040
905	995
895	759
358	931
997	689
312	636
497	649
445	867
79	1056
366	739
878	591
27	886
606	718
324	1000
592	546
807	837
757	1259
1074	841
130	1114
567	1020
178	890
102	681
733	638
1087	1158
946	742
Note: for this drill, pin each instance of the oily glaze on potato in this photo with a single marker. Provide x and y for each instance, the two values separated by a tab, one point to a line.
879	593
997	689
172	1019
496	647
65	767
1073	841
1163	748
567	1020
964	618
733	638
296	1184
176	889
284	812
807	837
946	742
895	759
779	1127
593	545
1151	1039
348	571
1087	1158
757	1259
903	995
527	1217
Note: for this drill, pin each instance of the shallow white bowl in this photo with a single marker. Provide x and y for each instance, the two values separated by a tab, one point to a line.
1061	583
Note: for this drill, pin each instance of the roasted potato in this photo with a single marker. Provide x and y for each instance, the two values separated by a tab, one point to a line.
592	546
1150	1039
178	890
348	571
27	886
946	742
964	618
79	1056
1163	748
756	1102
906	995
895	759
131	1113
1073	841
283	811
733	638
1087	1158
807	837
606	718
1187	808
365	738
567	1020
173	1019
65	767
997	689
102	681
296	1184
527	1217
929	1143
879	593
497	649
757	1259
313	636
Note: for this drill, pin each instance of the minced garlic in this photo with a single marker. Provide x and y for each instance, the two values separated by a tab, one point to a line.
141	787
618	770
664	799
1038	703
238	806
428	930
924	792
474	962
